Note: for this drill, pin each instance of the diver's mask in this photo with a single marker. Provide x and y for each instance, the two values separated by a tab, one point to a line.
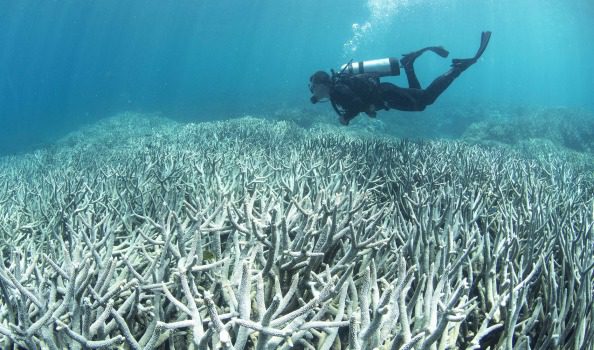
319	86
320	92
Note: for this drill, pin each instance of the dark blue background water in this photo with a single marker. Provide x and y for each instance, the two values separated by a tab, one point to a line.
65	63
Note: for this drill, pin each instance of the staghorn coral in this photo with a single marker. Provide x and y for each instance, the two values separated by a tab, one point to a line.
249	234
565	128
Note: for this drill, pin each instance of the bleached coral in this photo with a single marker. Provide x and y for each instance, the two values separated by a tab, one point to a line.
253	234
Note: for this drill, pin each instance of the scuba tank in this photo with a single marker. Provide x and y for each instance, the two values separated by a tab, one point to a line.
382	67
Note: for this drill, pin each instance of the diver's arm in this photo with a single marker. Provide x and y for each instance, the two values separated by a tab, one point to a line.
371	111
344	96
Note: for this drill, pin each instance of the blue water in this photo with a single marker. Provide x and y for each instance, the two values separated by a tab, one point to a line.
66	63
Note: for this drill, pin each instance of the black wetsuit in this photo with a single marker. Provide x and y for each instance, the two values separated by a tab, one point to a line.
354	94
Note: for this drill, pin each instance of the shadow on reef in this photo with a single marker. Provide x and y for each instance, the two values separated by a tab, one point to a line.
535	131
568	128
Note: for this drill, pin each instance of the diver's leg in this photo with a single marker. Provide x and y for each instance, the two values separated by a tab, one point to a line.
402	99
438	86
411	76
408	61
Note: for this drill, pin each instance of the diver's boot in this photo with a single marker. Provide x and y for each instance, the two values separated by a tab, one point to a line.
463	63
409	58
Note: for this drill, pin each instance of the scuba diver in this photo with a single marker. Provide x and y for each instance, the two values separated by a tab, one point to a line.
357	88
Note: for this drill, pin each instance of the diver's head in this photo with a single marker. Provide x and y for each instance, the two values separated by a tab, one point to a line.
319	85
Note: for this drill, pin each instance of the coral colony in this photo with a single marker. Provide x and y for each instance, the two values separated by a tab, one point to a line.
252	234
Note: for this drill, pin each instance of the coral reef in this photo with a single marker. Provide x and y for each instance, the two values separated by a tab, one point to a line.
255	234
569	128
563	133
562	128
310	119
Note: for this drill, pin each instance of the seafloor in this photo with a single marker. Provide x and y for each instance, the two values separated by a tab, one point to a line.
143	233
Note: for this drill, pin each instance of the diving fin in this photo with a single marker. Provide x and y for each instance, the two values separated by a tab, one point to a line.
485	37
464	63
440	51
409	58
